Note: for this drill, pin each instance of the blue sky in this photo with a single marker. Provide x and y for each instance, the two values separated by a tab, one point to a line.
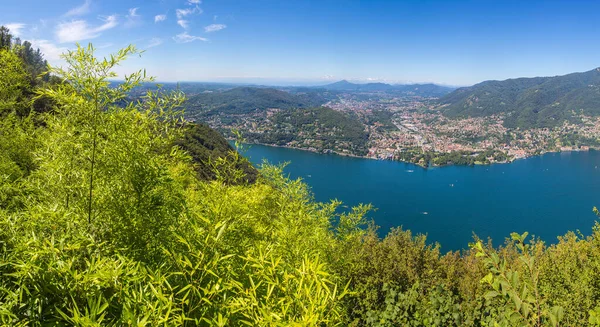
314	42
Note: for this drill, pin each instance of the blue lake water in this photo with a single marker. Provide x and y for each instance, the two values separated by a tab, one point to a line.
546	195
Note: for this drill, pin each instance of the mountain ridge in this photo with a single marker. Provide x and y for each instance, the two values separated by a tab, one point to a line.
529	101
425	89
247	99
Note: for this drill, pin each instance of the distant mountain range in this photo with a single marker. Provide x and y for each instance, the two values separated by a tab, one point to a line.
243	100
527	102
427	90
531	102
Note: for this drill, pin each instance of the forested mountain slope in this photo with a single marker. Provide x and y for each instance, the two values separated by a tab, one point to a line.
244	100
529	102
207	147
320	128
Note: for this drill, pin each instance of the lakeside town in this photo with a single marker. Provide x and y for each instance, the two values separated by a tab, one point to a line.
421	128
413	129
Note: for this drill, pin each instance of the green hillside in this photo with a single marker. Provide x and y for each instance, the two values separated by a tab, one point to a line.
207	148
530	102
244	100
322	128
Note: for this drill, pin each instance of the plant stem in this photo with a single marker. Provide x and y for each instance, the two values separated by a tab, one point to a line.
94	137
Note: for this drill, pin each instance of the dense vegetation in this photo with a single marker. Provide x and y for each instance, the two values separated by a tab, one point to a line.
323	128
530	102
381	119
463	158
424	90
103	221
24	69
210	152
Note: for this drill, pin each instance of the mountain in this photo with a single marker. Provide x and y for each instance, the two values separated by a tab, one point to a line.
243	100
344	85
427	90
321	128
530	102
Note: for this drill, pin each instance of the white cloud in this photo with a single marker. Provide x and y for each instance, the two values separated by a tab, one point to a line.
159	18
154	42
188	11
183	23
78	30
133	18
51	51
186	38
182	12
15	28
133	12
194	2
81	10
214	27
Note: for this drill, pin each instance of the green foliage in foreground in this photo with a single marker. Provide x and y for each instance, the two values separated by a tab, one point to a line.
104	222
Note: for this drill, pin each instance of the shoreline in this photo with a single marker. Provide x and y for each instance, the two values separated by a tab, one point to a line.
591	148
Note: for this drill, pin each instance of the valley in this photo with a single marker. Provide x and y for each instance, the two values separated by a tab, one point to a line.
387	122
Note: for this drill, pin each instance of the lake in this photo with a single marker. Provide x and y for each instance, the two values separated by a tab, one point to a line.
546	195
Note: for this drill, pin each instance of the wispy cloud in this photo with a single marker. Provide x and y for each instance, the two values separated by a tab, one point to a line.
183	23
78	30
81	10
15	28
194	2
181	13
154	42
214	27
186	38
50	50
133	12
133	18
160	18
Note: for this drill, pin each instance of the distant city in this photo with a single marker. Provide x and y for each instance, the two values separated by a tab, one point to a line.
426	124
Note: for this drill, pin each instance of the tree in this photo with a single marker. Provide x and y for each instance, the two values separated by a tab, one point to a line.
110	155
13	82
5	38
33	60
